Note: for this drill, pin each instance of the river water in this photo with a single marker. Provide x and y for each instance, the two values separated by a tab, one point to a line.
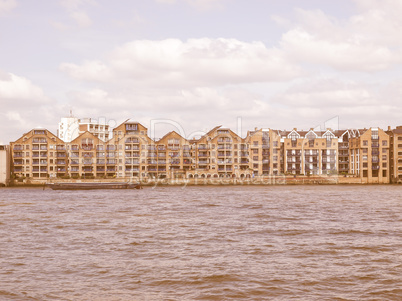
202	243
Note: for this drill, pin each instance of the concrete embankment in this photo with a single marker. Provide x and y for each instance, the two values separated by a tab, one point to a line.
268	180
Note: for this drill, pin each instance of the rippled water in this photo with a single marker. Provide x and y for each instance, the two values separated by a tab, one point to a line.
202	243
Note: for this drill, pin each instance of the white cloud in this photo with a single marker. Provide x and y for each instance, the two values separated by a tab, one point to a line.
7	6
347	55
13	87
199	4
368	41
76	12
81	18
196	62
24	105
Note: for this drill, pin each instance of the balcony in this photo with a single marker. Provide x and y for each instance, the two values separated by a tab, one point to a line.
111	161
87	161
18	147
132	169
87	147
39	140
74	162
290	160
132	140
224	140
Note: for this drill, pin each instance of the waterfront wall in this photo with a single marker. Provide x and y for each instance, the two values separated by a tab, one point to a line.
268	180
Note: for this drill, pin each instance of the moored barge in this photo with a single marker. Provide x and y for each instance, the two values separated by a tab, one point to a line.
91	186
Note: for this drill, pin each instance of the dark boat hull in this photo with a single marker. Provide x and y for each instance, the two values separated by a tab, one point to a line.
92	186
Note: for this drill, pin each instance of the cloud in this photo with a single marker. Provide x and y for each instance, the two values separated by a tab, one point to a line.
199	4
76	12
7	6
24	105
193	63
13	87
366	42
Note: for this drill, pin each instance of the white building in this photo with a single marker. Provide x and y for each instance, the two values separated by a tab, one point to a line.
68	128
4	165
71	127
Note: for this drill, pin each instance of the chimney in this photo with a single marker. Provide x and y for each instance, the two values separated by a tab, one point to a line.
389	128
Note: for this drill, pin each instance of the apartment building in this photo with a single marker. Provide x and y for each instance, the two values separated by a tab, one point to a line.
265	155
395	157
310	152
343	150
220	153
39	154
4	165
369	155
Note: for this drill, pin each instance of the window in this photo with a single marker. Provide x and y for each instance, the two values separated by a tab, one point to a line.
365	165
384	157
255	158
364	157
275	143
384	173
374	134
255	151
365	142
365	150
384	165
384	143
275	158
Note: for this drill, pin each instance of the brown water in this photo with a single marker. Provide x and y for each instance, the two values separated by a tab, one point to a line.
202	243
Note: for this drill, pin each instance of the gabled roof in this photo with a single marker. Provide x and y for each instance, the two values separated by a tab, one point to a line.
170	133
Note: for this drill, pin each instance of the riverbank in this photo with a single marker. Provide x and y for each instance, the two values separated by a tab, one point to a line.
263	180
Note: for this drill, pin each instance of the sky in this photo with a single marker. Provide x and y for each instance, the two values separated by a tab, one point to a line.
190	65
